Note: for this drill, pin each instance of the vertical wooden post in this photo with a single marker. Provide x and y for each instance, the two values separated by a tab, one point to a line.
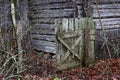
87	25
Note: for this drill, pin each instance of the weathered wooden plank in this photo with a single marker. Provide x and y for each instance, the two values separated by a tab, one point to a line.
107	6
43	20
53	13
76	33
106	13
111	34
45	46
43	43
47	1
71	24
43	37
109	26
54	6
106	1
40	31
107	23
65	25
44	26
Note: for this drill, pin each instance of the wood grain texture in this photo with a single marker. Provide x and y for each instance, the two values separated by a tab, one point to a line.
43	14
106	1
53	13
43	37
107	6
106	13
53	6
38	2
68	46
107	23
44	46
43	32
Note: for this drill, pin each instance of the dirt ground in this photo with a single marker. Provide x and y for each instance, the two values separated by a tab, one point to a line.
43	67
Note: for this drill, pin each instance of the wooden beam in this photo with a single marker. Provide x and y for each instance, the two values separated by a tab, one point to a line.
106	13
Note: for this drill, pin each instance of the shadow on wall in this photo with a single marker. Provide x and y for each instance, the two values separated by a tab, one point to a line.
113	42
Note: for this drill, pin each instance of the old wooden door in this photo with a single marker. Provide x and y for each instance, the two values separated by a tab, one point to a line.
74	43
69	43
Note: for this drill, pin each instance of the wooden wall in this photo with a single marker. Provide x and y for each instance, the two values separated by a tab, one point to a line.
107	12
42	15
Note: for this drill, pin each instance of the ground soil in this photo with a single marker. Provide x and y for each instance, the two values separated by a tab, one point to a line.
40	67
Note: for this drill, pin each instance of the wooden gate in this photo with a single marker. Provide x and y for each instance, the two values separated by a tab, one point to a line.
71	37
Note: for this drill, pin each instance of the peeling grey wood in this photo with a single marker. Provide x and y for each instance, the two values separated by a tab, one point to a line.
44	26
44	14
53	6
43	37
68	46
113	26
40	31
38	2
53	13
43	20
45	48
44	45
106	13
111	34
107	6
106	1
107	23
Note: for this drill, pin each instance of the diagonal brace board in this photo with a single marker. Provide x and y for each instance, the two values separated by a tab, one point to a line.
70	49
68	53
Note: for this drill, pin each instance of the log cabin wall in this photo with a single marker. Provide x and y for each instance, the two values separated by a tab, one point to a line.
42	14
106	14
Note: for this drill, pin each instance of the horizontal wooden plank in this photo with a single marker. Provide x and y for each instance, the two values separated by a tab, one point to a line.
43	20
106	1
45	49
44	26
43	32
44	46
111	34
108	26
53	6
106	13
108	23
53	13
43	37
43	43
107	6
46	1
